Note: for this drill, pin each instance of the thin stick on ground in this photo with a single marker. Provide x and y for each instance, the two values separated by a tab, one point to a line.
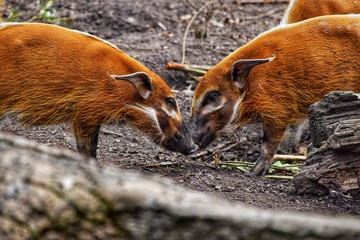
211	152
162	164
290	168
110	132
189	68
188	27
279	177
280	157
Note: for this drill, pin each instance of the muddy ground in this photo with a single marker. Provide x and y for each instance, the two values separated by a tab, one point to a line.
152	32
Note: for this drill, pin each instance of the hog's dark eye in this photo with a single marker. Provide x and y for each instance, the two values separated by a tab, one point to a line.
171	103
211	97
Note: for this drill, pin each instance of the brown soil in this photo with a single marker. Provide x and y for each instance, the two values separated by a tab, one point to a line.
152	31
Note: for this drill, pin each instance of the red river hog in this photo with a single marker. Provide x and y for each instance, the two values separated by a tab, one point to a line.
274	78
51	75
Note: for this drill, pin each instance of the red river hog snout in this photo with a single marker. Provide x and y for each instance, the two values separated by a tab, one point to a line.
51	75
299	10
275	77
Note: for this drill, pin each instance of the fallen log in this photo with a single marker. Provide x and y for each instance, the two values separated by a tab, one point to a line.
335	131
48	193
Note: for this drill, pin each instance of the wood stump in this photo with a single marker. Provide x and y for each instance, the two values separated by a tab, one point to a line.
334	165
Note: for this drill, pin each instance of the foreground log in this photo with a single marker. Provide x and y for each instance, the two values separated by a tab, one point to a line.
51	194
335	131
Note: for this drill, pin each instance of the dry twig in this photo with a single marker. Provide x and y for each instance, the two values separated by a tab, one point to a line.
279	177
189	68
188	27
210	153
110	132
162	164
278	157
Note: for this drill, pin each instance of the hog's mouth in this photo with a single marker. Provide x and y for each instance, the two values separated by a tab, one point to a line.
181	142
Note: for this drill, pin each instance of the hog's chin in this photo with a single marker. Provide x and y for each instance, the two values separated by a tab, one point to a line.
181	147
204	139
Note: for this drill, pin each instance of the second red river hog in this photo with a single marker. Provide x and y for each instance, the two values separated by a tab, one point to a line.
274	78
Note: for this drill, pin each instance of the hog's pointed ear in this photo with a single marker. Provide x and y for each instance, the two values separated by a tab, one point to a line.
241	69
140	80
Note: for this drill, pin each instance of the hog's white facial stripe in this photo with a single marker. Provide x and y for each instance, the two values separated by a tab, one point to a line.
214	107
198	103
151	114
170	113
231	125
236	109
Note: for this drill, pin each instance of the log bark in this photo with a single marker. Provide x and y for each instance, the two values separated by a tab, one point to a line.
49	193
336	116
335	131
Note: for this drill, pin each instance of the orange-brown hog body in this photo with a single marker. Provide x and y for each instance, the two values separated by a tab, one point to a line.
299	10
51	75
297	65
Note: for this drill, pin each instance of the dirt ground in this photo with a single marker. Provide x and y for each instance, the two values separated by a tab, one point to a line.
152	32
